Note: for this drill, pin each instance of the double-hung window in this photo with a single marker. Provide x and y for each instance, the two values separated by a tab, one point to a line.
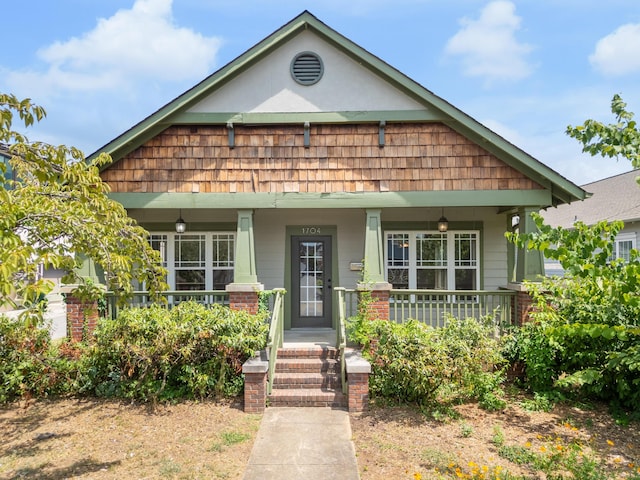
624	243
433	260
196	261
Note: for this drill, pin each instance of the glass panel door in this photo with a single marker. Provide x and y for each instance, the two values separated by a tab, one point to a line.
311	282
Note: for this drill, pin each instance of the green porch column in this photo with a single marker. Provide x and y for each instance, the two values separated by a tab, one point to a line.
530	263
373	278
244	291
373	248
245	261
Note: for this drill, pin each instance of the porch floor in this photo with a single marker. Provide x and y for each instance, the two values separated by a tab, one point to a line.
309	337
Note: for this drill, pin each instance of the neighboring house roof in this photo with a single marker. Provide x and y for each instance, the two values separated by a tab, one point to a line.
613	198
419	104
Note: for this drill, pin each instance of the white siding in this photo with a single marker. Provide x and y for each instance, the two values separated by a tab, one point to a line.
270	241
268	86
494	252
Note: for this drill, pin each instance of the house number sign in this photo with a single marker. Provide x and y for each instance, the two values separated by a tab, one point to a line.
311	230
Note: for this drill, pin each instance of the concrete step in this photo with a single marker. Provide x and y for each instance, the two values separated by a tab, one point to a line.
307	380
307	397
306	365
308	352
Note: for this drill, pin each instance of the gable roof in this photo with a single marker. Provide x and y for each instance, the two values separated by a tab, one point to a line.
436	109
613	198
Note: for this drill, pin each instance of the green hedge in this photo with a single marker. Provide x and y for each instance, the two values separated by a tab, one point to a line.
189	351
147	354
415	363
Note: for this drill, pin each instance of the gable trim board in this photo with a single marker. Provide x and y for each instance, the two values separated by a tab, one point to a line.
434	109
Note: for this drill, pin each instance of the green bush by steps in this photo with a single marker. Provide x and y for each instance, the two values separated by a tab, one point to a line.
415	363
147	354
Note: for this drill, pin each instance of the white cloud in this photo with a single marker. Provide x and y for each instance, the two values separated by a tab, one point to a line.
619	52
136	45
488	47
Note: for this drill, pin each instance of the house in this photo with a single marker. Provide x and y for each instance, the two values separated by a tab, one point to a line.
613	198
309	163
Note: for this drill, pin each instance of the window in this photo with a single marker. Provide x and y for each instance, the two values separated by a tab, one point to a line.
196	261
224	245
190	262
623	245
433	260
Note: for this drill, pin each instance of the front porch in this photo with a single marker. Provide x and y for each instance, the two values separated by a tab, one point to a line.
314	366
431	307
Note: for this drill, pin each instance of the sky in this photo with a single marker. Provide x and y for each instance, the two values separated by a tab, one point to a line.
524	68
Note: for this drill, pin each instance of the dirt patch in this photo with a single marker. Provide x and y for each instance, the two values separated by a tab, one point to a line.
396	443
101	439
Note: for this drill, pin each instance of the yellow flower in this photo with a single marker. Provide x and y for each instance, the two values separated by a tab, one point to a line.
528	444
417	476
610	443
543	448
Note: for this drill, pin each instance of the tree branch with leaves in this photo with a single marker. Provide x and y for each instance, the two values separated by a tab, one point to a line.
55	211
613	140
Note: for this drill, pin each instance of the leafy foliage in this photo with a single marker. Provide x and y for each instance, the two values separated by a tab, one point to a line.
148	354
189	351
584	335
415	363
621	138
30	366
55	211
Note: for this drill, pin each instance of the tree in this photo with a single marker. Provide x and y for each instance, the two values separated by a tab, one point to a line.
585	334
55	212
614	140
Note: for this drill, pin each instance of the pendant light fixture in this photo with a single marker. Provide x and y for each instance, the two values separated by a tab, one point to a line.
443	223
181	226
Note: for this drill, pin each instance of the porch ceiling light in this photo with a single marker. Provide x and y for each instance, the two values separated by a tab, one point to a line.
443	223
181	225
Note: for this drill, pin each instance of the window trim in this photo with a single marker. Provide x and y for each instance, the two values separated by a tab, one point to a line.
450	267
209	268
624	237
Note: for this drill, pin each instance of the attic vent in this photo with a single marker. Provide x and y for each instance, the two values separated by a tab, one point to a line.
307	68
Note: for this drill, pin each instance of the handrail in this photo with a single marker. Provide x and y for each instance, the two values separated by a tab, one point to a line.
276	335
342	335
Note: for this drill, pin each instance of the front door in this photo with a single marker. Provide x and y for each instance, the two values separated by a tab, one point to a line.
310	282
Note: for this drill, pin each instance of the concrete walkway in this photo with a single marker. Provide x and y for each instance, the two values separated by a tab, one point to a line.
303	443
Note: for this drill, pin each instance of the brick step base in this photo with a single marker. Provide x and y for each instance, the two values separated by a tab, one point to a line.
307	380
308	352
307	377
307	397
306	365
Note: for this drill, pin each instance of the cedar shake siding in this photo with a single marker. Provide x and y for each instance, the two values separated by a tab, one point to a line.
340	158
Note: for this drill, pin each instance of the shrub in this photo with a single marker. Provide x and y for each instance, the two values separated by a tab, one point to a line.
584	337
415	363
30	366
189	351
